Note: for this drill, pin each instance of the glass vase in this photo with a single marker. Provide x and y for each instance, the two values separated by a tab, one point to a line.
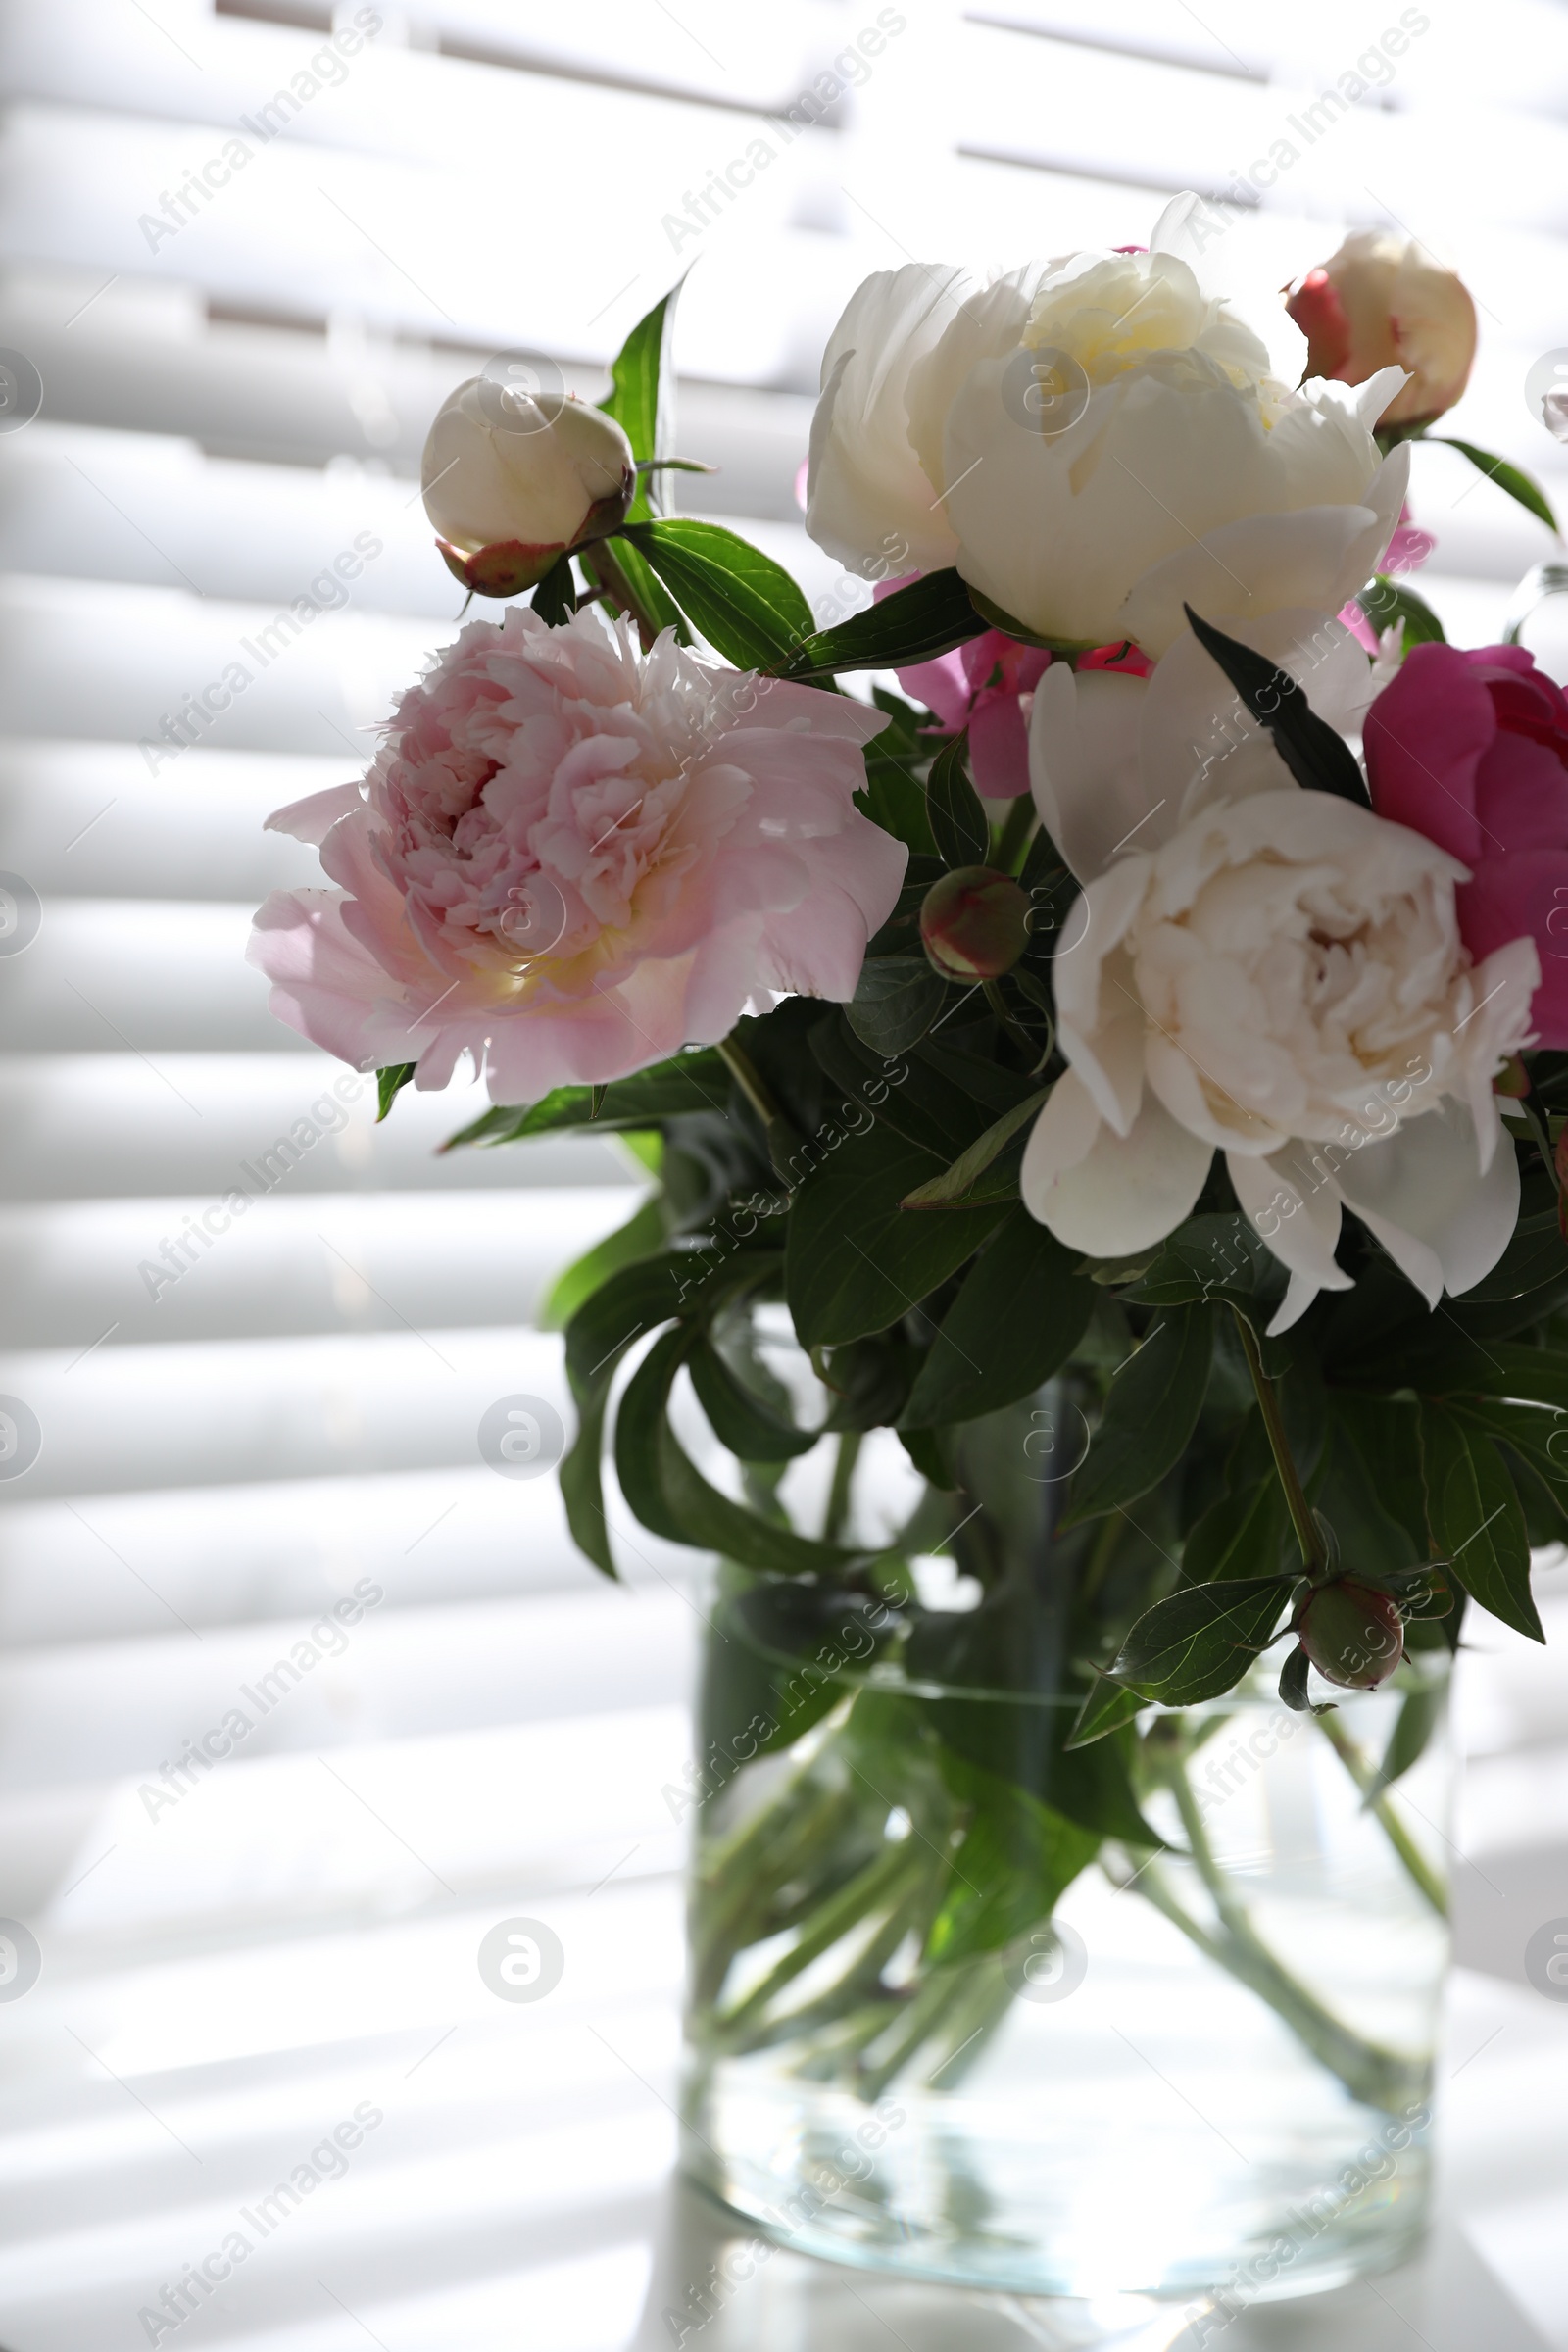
938	2028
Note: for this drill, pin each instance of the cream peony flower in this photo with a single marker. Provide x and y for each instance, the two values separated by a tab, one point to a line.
1093	440
502	470
1382	300
573	859
1281	979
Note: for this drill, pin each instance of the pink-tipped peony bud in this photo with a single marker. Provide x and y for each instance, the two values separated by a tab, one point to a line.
512	482
1354	1634
1381	302
974	924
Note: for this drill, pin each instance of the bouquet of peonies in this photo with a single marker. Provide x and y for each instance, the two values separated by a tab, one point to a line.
1133	1057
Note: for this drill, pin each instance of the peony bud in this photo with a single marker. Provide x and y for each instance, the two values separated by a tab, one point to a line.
1354	1634
974	924
512	483
1383	302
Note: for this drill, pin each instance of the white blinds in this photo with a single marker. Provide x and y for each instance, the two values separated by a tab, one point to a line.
238	374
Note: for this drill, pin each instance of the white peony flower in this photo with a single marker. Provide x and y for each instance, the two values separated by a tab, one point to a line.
1092	440
502	470
1281	979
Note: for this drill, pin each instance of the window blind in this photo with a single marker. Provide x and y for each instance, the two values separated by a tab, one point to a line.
247	249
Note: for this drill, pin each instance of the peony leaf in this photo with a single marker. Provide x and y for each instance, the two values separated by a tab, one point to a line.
635	397
746	605
1477	1518
854	1261
1148	1416
913	624
1197	1643
1511	479
1246	1528
1317	758
1385	601
959	823
1021	1310
955	1182
642	1236
670	1496
1107	1708
687	1082
740	1420
897	1000
389	1084
554	600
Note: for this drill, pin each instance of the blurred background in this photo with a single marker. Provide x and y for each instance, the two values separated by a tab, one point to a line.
240	1431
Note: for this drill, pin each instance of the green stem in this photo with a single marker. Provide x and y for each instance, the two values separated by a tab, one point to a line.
837	1497
618	590
1015	833
1364	1774
1307	1532
992	990
865	1893
749	1078
1377	2077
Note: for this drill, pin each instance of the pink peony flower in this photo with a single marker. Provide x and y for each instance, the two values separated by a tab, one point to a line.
1471	748
573	859
985	686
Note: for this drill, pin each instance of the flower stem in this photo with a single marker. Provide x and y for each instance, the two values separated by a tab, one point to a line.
749	1078
1307	1532
838	1500
1015	833
1398	1837
618	590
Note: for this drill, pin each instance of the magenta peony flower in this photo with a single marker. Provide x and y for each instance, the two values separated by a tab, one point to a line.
985	686
1471	748
573	859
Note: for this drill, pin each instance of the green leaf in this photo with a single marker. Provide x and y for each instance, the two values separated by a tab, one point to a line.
1319	760
389	1084
746	605
1511	479
1387	600
1150	1415
1293	1685
637	375
554	600
856	1263
641	1237
1216	1256
1349	1491
955	1182
651	594
924	1449
1242	1535
897	1000
1201	1641
913	624
1019	1314
688	1082
1478	1519
670	1496
959	823
1016	1859
1107	1708
740	1420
